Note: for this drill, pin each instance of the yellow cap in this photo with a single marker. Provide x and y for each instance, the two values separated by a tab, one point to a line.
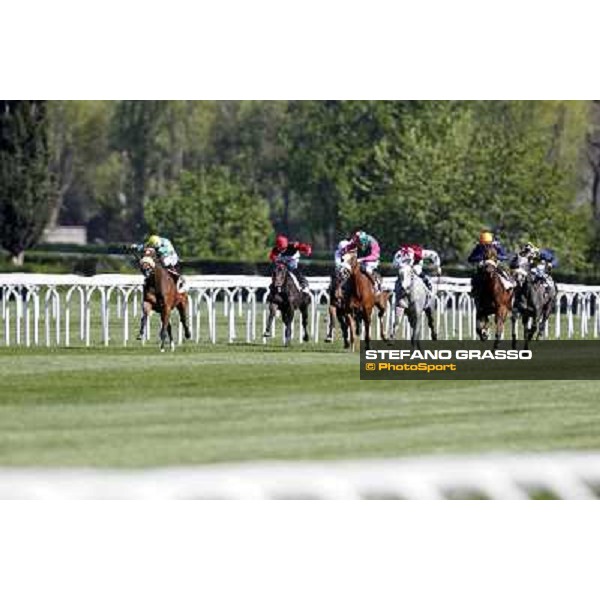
153	240
486	237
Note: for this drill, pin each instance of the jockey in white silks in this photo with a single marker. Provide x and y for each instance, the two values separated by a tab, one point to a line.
415	255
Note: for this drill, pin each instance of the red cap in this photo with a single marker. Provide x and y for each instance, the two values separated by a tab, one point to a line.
281	242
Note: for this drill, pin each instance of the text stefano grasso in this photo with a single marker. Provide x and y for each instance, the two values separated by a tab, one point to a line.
471	354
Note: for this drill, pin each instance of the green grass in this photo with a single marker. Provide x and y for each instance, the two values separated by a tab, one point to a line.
136	407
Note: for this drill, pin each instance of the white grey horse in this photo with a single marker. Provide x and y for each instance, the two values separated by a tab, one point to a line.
413	297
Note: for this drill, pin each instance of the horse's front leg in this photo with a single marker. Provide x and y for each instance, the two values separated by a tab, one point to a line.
351	325
343	321
398	314
165	329
331	323
530	331
431	323
182	309
304	313
288	318
513	318
366	315
381	311
270	319
500	319
146	310
171	341
481	327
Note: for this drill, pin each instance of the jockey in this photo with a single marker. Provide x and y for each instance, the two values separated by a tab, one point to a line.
541	262
289	253
167	255
341	271
340	251
368	253
486	239
414	255
477	257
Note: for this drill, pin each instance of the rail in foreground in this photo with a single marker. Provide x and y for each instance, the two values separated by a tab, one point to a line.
501	477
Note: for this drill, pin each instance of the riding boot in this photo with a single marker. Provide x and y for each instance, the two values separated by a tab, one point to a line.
375	280
304	286
426	281
398	290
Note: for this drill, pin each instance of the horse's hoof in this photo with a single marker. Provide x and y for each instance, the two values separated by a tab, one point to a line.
305	338
328	340
162	349
172	347
267	334
139	337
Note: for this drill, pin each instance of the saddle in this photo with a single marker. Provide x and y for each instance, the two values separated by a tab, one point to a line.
507	282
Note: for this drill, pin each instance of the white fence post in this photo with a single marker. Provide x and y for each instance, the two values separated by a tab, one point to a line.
112	297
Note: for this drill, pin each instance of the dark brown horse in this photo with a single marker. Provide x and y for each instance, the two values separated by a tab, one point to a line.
360	300
491	298
161	295
339	281
286	297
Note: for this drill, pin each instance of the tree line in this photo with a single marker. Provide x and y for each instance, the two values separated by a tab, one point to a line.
220	178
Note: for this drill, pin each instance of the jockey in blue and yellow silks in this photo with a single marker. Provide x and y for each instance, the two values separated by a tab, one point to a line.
478	256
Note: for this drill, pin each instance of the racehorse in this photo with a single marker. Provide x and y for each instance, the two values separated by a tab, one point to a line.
492	298
359	301
161	295
339	280
285	295
413	297
533	302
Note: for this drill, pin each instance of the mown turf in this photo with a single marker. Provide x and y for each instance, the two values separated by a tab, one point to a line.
135	407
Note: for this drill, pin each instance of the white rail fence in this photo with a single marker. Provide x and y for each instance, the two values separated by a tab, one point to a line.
502	477
66	309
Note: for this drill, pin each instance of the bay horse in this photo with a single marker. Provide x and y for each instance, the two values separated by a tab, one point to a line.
286	296
413	296
360	299
161	295
492	298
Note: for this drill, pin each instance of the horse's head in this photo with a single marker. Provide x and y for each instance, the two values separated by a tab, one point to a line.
490	254
279	276
405	274
147	265
350	260
521	270
341	276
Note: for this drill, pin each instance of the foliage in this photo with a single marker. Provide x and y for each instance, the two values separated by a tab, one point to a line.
430	171
26	187
210	214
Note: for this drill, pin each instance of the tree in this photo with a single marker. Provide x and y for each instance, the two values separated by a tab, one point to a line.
26	186
211	215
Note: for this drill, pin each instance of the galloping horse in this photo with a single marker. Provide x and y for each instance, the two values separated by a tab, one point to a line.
533	302
413	297
492	298
162	298
286	297
359	301
339	280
